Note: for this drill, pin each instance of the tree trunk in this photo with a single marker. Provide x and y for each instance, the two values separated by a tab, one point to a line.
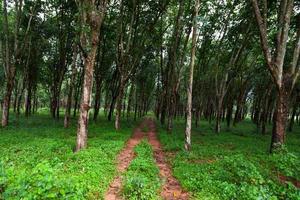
229	114
218	119
6	101
280	119
219	103
119	105
130	98
292	119
189	104
97	99
93	16
28	101
85	101
71	88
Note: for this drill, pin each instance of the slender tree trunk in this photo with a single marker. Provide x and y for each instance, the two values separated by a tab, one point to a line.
131	93
6	101
71	88
94	20
119	105
9	67
28	101
218	116
97	101
189	104
292	119
229	114
280	119
77	92
17	91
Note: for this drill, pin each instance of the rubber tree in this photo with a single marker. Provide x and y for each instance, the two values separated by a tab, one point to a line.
91	18
189	104
12	52
284	78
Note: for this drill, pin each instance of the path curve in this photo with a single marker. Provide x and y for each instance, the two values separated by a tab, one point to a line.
171	189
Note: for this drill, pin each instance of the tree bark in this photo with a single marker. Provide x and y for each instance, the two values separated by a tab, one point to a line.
280	119
284	81
91	15
10	68
189	104
292	118
71	88
119	105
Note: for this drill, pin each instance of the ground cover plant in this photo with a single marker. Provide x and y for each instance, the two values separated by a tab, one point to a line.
234	164
141	180
37	159
70	70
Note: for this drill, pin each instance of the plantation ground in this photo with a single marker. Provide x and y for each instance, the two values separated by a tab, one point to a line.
234	164
37	162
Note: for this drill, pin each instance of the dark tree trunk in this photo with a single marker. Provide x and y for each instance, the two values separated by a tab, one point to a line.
6	101
280	119
292	118
71	88
97	104
229	114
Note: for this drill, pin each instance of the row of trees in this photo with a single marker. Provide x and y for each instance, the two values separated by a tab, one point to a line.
218	60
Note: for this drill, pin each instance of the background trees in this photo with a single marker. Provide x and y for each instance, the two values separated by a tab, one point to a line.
51	59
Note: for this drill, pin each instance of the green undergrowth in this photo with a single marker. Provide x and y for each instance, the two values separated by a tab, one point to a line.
141	180
37	159
234	164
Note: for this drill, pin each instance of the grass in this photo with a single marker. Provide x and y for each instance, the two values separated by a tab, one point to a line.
234	164
37	162
37	159
141	180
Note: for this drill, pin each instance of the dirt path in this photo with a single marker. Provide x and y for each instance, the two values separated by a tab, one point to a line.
124	159
171	189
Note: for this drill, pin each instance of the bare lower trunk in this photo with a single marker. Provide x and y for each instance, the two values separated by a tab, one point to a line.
6	102
280	119
119	107
219	103
68	107
94	21
111	109
189	104
229	115
28	102
171	113
70	94
97	101
82	130
130	99
292	119
218	122
198	117
96	107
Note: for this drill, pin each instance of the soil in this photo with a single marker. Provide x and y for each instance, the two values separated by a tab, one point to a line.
123	160
285	179
171	188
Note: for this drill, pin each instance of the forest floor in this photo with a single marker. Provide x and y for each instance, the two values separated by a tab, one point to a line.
143	161
234	164
171	188
37	159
